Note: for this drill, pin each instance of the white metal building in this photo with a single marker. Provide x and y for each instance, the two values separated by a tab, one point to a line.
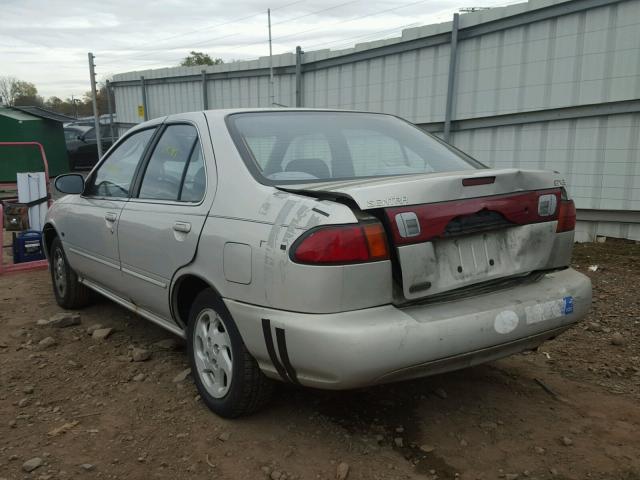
549	84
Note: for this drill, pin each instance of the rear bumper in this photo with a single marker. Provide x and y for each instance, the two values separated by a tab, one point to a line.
384	344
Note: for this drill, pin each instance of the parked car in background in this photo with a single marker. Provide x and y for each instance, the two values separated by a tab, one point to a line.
82	146
328	249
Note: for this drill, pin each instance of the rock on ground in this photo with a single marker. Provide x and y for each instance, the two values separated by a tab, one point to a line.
342	471
182	376
440	392
31	464
46	343
617	339
140	354
64	320
567	442
167	344
93	328
101	333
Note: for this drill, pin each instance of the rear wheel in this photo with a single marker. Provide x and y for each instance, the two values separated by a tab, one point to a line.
227	377
69	292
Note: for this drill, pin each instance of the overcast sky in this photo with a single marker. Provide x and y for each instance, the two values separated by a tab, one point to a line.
46	42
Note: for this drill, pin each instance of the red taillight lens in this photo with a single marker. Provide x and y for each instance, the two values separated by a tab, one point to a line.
337	245
566	216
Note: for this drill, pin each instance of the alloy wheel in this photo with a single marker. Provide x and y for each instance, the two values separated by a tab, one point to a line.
212	353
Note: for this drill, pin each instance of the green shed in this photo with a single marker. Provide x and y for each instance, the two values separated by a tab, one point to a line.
31	124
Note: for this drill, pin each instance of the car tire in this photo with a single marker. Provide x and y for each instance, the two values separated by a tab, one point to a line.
228	378
68	290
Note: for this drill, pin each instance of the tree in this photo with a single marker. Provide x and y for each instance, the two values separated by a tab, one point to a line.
83	106
8	89
199	58
18	92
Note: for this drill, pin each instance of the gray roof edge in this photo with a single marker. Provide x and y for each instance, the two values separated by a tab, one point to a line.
44	113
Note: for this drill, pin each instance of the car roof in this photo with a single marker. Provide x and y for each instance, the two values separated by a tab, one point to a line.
220	114
82	128
228	111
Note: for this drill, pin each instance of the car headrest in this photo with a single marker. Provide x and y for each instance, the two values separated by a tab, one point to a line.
313	166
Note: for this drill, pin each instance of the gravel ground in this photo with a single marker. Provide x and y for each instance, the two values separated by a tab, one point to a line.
72	406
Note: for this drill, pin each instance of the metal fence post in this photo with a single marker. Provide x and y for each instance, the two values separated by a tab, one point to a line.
451	78
94	94
110	109
299	53
144	99
205	96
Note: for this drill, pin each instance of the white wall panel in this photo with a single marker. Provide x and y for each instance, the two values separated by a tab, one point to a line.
599	156
585	58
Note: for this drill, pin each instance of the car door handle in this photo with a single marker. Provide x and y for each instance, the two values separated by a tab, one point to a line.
183	227
110	216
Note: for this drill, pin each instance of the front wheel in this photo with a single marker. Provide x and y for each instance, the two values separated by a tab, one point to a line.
68	290
227	377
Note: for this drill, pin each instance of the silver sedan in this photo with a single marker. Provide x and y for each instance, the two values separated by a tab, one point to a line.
328	249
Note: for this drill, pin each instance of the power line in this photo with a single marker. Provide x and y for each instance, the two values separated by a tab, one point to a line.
229	22
211	39
316	12
205	41
277	39
216	25
341	43
295	34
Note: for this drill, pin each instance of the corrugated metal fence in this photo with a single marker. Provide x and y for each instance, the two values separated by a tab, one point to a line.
544	84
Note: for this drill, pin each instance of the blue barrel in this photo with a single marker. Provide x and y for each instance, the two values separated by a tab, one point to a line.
27	247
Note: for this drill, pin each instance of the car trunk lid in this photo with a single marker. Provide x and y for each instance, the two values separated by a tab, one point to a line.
458	229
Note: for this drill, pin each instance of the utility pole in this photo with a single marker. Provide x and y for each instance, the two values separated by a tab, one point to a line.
110	109
451	78
92	77
75	107
271	86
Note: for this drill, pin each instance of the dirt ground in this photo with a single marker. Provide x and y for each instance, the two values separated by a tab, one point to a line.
571	410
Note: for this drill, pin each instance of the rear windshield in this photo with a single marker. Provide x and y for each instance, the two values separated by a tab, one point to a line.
295	147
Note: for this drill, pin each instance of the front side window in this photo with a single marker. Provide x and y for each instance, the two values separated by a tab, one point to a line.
114	176
295	147
175	170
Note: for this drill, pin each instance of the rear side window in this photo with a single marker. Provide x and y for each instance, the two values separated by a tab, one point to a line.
176	169
113	178
194	184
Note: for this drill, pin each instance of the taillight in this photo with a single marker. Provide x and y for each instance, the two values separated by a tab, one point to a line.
566	216
342	244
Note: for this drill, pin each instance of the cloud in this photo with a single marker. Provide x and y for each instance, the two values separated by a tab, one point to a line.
47	42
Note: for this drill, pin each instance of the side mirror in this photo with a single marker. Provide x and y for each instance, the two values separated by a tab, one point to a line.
71	183
81	138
